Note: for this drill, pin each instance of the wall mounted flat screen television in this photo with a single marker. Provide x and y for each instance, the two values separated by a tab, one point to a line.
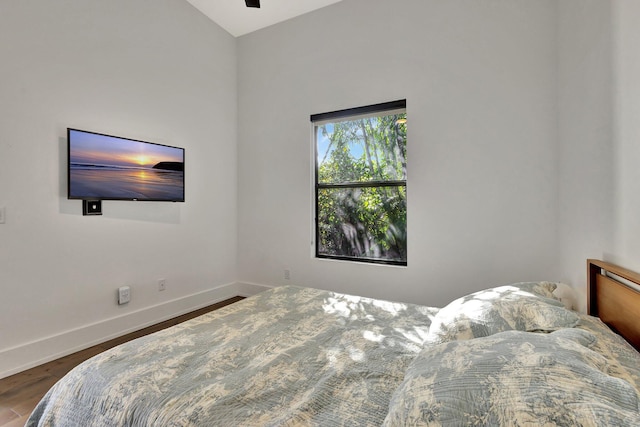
105	167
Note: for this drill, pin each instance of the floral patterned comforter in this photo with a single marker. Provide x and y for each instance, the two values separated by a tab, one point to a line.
288	356
511	355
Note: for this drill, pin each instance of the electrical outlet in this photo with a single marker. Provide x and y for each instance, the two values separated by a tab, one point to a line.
2	215
162	284
124	295
287	274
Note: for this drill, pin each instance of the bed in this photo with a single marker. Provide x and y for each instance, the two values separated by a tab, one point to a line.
292	356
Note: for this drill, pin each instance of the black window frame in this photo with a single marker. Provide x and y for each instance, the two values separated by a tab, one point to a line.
368	110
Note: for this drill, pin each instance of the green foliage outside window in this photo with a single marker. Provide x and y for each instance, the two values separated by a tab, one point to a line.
361	189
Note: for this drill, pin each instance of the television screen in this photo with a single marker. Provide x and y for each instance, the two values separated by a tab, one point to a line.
104	167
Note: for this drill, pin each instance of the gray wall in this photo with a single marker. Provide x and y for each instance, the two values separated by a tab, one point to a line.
625	248
480	82
152	70
585	129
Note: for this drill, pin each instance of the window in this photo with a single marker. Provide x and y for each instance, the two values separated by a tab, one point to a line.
360	183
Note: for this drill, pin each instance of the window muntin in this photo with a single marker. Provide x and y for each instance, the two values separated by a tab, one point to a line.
361	175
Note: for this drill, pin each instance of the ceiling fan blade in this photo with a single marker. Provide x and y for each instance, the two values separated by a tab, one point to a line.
252	3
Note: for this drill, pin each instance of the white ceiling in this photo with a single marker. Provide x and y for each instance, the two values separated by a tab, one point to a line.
237	19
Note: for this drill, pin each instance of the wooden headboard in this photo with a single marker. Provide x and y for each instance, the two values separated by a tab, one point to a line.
614	302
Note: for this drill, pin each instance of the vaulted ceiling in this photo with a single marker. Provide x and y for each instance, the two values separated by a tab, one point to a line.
237	19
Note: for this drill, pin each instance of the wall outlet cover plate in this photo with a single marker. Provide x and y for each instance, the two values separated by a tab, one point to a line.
124	295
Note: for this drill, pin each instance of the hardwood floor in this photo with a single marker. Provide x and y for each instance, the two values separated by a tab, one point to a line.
20	393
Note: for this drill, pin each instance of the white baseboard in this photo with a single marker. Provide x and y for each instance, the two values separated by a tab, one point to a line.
34	353
247	289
